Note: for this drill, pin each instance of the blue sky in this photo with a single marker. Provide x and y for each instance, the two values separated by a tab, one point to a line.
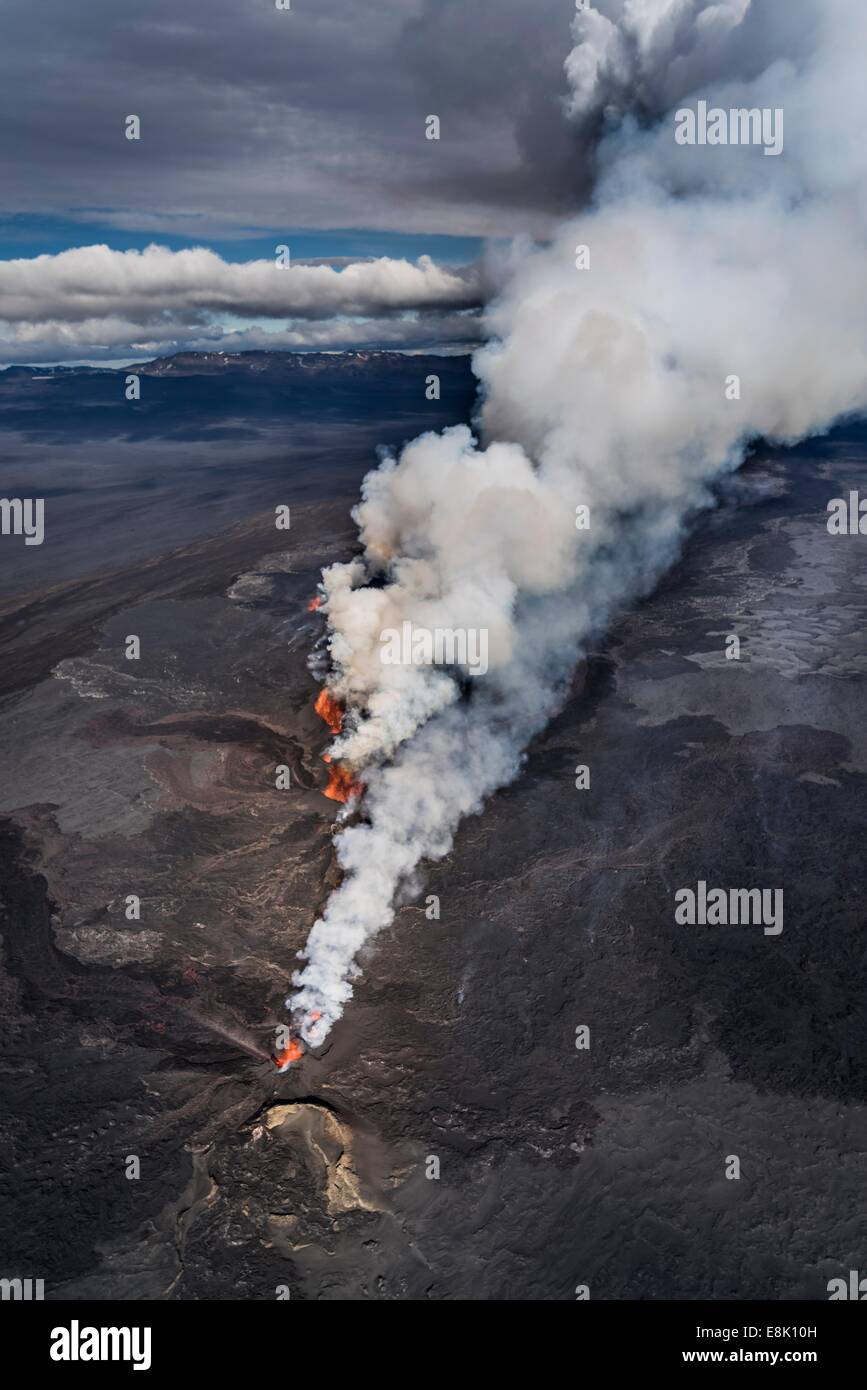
29	235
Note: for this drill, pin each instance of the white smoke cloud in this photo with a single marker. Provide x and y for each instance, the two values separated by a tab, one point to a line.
612	387
645	56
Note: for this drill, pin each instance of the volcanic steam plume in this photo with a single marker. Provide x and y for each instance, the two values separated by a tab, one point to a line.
708	295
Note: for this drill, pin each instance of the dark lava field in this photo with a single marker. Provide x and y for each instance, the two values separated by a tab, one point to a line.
148	1037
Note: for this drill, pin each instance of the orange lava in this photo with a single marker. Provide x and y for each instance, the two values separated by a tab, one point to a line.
330	710
315	603
293	1053
341	783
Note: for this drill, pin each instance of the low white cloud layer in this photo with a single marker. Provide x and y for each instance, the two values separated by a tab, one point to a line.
93	301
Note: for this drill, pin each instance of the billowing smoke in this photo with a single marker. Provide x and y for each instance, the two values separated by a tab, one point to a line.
725	299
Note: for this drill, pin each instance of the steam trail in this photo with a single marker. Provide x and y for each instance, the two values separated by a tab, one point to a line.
603	388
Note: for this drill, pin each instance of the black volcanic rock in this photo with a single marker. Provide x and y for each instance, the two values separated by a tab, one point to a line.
150	1036
208	443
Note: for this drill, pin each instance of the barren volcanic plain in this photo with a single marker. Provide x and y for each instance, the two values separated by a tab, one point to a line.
150	1037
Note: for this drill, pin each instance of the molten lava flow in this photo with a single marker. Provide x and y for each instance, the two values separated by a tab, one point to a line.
330	710
315	603
341	783
292	1053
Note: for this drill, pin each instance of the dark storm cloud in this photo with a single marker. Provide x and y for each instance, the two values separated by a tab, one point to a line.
254	117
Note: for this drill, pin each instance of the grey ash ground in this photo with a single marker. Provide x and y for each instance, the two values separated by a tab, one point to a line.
558	1167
